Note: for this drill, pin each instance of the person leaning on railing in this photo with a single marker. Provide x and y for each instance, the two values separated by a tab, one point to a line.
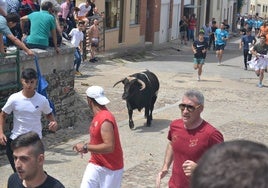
6	23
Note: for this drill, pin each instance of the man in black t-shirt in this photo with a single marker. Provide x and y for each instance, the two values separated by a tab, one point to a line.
28	151
199	48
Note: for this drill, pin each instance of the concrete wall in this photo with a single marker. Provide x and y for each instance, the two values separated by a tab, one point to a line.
59	73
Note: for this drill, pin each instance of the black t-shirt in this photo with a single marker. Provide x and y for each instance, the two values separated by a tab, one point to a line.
199	46
15	182
183	26
90	12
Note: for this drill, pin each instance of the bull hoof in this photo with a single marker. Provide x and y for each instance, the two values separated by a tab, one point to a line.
131	125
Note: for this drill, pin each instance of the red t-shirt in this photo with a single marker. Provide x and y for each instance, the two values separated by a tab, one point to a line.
192	24
189	145
114	160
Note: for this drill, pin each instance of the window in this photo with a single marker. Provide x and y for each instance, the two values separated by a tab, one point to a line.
112	14
134	11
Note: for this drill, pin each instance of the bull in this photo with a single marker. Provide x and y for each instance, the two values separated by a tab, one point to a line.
140	91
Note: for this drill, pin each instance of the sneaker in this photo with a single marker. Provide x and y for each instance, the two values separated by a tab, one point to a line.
95	59
245	68
92	60
198	78
77	73
219	64
260	85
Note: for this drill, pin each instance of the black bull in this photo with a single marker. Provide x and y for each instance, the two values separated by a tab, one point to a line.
140	91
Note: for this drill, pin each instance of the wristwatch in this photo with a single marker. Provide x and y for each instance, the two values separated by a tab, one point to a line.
85	148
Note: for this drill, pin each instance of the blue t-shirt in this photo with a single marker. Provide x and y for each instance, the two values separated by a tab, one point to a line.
247	39
219	34
250	22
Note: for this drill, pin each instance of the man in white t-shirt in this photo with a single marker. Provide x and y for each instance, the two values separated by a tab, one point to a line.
82	11
84	8
77	40
27	106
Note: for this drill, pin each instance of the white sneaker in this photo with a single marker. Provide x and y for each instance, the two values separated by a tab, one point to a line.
198	78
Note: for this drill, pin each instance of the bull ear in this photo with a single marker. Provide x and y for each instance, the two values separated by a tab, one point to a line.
143	86
119	82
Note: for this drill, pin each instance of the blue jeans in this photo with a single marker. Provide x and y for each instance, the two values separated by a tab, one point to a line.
190	34
77	58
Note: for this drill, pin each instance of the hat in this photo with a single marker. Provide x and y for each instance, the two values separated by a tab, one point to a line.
97	93
201	32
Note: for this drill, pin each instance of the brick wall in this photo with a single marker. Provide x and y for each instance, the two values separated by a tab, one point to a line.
59	73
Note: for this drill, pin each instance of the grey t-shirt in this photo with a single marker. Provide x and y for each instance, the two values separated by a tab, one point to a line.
4	29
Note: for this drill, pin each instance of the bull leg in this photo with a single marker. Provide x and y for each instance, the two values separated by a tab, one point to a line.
147	115
150	111
130	113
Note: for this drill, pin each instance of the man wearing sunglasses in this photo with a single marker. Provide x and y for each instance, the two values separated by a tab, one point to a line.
189	137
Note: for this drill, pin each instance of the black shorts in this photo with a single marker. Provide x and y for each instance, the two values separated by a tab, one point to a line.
219	47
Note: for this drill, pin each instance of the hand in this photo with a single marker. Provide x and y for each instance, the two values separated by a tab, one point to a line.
3	139
30	52
79	148
24	36
188	167
160	175
57	50
53	126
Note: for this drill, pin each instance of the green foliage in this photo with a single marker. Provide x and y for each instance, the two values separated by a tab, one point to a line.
240	4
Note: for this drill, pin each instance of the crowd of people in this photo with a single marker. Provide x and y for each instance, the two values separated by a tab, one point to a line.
32	24
194	144
196	149
254	41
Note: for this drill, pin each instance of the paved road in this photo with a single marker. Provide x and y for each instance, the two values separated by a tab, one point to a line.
233	104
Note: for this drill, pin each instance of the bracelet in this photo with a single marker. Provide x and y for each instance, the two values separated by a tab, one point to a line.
85	148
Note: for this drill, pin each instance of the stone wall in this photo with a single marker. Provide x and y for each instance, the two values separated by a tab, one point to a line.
59	73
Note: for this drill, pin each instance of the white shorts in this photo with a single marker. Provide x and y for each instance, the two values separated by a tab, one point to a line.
258	63
100	177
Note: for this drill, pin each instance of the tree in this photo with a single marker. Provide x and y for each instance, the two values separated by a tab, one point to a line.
240	4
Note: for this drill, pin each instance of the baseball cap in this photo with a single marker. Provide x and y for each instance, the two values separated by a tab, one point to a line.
201	32
97	93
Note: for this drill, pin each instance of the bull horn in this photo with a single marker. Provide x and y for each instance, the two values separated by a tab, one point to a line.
142	84
130	78
118	82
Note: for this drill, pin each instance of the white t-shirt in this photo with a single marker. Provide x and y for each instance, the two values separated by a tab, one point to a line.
77	36
83	9
26	113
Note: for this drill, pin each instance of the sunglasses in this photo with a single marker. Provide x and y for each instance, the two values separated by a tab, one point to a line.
190	108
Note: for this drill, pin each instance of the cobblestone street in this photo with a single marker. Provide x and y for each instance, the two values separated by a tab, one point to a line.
233	104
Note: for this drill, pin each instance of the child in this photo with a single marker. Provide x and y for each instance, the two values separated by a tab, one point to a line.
199	48
77	40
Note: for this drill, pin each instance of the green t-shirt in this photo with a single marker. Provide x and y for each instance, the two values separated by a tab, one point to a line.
41	25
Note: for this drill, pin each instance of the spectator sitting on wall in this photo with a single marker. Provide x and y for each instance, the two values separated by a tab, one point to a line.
42	24
6	23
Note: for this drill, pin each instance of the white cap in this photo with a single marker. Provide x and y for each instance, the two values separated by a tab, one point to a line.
97	93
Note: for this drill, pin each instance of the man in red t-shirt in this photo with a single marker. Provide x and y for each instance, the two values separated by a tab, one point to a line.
105	167
189	138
